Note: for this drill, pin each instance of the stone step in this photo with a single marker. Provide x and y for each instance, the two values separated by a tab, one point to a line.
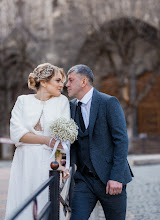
145	159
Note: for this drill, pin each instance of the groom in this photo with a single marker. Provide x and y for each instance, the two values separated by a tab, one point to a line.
101	150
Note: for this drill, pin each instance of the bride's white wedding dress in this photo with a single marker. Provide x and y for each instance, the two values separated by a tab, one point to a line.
30	166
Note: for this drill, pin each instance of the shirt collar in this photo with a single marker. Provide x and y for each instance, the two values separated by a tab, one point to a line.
87	97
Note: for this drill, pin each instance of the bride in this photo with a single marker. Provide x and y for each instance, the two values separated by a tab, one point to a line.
29	129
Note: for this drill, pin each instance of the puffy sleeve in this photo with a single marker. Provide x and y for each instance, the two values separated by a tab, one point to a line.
17	129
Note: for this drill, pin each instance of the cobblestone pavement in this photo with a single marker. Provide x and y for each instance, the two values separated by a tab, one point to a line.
143	193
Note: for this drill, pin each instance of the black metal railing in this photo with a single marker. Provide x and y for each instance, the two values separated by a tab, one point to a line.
51	211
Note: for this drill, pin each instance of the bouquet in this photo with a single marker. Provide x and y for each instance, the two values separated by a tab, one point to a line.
66	132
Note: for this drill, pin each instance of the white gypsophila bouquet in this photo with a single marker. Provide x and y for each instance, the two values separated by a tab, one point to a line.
64	130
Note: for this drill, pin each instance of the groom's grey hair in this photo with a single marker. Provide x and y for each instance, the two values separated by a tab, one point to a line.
83	70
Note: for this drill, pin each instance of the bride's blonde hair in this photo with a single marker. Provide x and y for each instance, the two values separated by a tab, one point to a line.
44	72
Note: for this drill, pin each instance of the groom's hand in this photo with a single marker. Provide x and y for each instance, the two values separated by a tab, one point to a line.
113	187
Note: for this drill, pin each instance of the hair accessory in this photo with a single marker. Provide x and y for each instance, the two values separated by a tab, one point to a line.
44	73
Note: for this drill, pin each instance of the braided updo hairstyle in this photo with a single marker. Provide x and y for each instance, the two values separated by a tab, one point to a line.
44	72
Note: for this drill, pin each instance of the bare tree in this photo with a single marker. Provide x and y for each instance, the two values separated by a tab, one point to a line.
18	56
117	44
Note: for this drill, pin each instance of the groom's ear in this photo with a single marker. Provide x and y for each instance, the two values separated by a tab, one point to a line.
84	82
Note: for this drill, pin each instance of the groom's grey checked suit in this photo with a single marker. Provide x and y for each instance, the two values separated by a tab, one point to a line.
102	148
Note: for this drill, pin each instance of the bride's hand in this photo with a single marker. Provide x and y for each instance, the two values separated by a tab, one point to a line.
66	172
50	142
60	147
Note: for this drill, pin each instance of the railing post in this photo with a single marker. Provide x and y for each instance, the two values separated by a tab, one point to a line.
54	195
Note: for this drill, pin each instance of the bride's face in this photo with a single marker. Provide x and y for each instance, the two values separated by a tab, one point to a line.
55	85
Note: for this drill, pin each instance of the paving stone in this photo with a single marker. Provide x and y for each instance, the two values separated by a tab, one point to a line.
143	193
145	159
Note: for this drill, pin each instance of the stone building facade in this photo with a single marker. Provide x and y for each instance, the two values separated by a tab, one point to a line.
119	40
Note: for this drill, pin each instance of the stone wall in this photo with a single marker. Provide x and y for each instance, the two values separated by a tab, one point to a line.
65	24
148	145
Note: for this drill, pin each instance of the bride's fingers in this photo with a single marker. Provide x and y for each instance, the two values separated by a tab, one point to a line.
61	168
67	174
52	142
66	171
60	146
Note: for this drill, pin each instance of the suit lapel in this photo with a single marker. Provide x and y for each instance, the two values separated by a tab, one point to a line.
73	108
73	105
93	111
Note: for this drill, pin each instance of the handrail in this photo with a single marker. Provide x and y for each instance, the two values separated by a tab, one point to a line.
51	210
31	198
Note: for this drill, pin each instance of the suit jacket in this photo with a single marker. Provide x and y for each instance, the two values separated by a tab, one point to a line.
108	140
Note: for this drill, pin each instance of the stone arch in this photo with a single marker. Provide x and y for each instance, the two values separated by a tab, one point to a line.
95	46
15	65
120	52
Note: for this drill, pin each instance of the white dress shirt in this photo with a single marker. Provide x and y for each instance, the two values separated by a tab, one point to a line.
86	105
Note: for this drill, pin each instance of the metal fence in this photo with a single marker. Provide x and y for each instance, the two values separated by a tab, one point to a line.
57	194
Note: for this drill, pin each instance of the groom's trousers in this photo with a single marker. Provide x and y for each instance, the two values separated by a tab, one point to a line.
88	190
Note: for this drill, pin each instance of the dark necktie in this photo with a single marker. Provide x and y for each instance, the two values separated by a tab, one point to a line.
81	121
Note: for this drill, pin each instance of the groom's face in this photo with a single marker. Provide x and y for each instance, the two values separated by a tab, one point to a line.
74	85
